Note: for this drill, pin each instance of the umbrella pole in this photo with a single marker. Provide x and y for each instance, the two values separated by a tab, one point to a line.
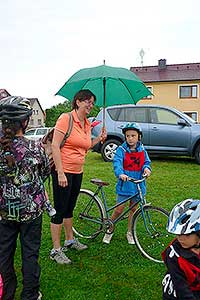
104	101
104	108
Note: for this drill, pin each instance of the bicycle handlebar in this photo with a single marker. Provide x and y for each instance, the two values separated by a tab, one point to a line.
101	183
136	181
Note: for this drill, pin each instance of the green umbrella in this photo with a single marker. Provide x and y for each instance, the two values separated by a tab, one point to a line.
110	85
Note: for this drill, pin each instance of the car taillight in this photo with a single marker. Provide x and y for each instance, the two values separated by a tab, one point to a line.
95	123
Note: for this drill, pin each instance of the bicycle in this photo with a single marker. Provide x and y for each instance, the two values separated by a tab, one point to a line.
91	217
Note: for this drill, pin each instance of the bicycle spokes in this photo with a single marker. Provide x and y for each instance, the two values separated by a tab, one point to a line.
88	216
149	231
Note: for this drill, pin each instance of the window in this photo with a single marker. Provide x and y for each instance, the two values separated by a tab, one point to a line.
39	122
136	114
188	91
114	113
163	116
30	132
31	122
192	115
41	131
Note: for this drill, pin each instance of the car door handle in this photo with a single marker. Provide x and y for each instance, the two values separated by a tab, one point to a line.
155	128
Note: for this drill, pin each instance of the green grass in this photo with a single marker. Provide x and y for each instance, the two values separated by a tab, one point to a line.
116	271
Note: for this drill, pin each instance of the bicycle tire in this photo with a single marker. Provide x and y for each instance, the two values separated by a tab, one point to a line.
151	243
88	215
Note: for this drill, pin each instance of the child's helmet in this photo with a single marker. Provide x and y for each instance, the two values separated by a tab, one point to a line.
185	217
15	108
134	126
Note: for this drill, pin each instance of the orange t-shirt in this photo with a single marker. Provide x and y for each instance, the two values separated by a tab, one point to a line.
77	144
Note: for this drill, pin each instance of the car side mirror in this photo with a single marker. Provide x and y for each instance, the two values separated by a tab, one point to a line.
182	122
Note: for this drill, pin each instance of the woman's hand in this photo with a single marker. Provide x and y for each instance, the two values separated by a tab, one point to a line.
100	138
62	180
103	135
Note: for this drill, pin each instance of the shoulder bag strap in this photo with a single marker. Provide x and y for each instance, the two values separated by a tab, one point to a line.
69	130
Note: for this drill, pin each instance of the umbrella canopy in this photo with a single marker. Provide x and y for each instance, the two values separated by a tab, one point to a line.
109	84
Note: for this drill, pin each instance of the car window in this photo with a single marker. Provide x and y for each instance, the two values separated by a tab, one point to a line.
163	116
130	114
114	113
41	131
30	132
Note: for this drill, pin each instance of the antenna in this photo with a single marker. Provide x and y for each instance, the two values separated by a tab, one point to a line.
142	53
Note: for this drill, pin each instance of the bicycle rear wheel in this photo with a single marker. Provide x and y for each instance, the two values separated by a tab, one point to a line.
88	215
149	231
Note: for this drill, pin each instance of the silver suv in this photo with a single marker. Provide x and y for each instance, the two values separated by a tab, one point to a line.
166	131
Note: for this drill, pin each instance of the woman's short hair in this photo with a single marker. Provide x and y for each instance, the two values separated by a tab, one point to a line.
82	95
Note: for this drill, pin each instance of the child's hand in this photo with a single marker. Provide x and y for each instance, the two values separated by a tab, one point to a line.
147	172
123	177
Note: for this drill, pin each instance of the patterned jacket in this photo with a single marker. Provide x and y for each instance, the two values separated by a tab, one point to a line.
22	193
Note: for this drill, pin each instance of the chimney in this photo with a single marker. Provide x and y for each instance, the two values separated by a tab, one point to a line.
162	64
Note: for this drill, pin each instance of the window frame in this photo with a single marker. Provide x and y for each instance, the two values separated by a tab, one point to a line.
188	86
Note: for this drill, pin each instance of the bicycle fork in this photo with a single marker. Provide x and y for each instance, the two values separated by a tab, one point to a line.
146	216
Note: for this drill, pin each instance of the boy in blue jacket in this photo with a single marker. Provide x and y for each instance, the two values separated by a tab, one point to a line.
130	160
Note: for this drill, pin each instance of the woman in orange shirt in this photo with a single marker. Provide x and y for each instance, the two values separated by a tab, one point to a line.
67	176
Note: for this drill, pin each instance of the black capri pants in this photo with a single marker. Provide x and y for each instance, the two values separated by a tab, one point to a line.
65	197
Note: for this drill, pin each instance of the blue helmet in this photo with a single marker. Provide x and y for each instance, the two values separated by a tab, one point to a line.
134	126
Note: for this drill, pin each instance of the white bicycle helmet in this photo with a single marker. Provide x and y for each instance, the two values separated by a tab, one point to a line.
185	217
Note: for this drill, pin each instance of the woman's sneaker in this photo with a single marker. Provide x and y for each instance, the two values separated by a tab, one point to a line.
130	238
107	238
59	257
75	245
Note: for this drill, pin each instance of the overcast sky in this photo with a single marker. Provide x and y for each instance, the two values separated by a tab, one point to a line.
43	42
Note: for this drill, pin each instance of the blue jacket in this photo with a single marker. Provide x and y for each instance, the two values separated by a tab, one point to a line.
132	164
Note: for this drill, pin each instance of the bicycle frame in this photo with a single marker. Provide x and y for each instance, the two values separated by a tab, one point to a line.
141	201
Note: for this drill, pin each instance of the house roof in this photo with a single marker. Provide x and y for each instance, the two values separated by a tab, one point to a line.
3	94
164	72
32	100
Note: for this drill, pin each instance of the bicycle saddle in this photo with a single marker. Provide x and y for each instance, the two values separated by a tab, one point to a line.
99	182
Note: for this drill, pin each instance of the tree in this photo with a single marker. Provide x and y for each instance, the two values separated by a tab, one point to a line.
55	111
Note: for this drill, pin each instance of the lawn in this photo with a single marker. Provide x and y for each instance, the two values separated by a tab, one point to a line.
116	271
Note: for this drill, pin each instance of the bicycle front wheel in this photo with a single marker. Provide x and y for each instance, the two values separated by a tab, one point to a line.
88	215
149	231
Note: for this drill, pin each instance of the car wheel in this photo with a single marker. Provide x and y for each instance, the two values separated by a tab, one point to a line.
108	149
197	154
